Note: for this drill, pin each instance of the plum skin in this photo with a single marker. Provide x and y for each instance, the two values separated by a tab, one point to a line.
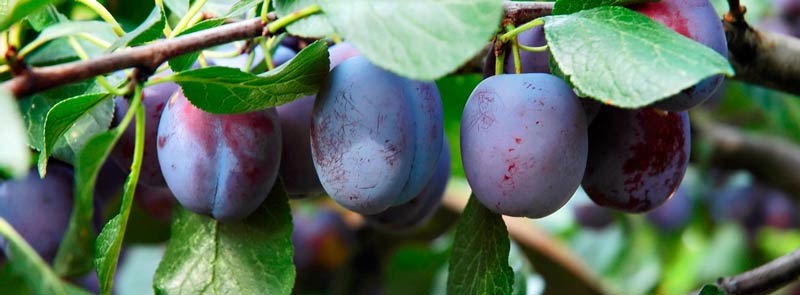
297	167
675	214
408	216
523	143
218	165
637	158
39	209
375	136
696	20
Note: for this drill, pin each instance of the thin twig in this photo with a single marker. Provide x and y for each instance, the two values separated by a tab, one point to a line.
766	278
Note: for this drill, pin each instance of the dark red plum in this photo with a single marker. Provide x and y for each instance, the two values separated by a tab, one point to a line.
523	143
297	167
696	20
416	212
39	209
589	215
322	243
778	210
675	214
531	62
153	99
375	136
637	158
218	165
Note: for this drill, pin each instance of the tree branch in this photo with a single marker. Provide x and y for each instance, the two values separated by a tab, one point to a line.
766	278
147	57
773	160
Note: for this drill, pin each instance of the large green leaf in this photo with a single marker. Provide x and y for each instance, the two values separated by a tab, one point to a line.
184	62
625	59
12	11
314	26
61	118
30	267
252	256
571	6
47	16
150	29
419	39
14	154
479	259
224	90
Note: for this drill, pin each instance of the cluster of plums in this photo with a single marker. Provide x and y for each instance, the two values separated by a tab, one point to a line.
528	142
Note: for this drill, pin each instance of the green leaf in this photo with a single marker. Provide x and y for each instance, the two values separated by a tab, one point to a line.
252	256
61	118
12	11
625	59
150	29
109	242
184	62
223	90
76	252
314	26
90	124
412	269
711	290
45	17
242	7
25	262
479	259
178	7
14	154
572	6
418	39
64	29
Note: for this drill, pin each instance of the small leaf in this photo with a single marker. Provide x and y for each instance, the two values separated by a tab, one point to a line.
94	121
184	62
13	11
14	153
572	6
479	259
25	262
418	39
76	252
253	256
314	26
625	59
150	29
242	7
45	17
67	28
711	290
223	90
61	118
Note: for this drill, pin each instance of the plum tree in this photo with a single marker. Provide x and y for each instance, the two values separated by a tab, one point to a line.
697	20
297	167
637	158
675	214
153	99
375	136
218	165
523	143
52	199
417	211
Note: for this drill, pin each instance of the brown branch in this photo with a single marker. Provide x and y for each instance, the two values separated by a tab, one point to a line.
766	278
772	160
147	58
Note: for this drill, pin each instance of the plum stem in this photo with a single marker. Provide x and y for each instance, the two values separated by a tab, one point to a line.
265	12
282	22
513	33
187	19
104	14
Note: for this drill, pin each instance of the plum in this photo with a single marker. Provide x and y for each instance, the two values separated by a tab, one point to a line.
297	167
39	209
375	136
416	212
523	143
322	243
531	62
153	100
675	214
637	158
218	165
589	215
697	20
